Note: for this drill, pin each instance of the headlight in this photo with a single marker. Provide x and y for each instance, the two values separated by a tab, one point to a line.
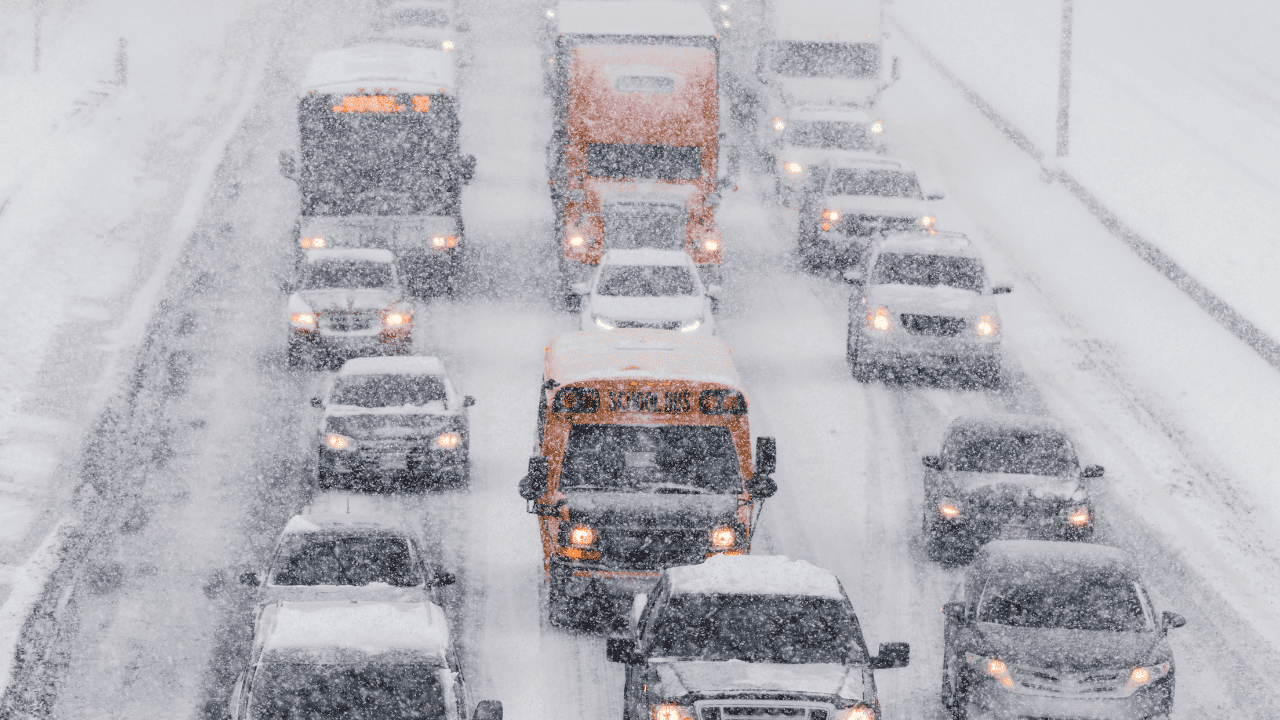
832	215
1145	675
604	323
306	320
949	509
309	243
877	127
440	242
779	125
992	667
339	442
671	711
794	168
711	245
447	46
691	325
723	537
449	440
857	712
551	13
582	536
927	223
880	320
1079	517
576	241
396	318
987	326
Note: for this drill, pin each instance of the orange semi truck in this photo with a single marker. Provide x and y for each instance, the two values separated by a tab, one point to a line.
634	158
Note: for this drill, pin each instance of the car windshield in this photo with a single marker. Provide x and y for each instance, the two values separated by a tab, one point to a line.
345	274
1021	453
826	60
628	162
319	559
755	628
645	225
378	390
645	281
416	17
879	183
829	135
930	270
651	458
408	691
1095	601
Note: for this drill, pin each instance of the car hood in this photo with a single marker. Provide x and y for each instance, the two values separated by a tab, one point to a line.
1068	650
828	91
899	207
1013	484
737	676
928	300
650	510
348	300
680	307
807	156
380	592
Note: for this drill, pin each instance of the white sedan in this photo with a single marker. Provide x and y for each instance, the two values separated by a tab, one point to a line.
647	289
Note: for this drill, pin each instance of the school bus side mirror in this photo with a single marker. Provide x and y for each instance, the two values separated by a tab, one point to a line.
766	455
534	482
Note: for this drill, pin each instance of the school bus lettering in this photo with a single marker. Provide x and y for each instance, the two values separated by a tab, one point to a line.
722	402
644	401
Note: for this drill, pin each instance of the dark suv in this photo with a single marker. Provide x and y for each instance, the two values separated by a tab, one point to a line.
1004	473
1042	629
748	637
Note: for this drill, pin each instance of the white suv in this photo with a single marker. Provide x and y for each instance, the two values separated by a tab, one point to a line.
923	299
647	289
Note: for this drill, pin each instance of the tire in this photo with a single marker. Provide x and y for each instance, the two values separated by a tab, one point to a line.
955	691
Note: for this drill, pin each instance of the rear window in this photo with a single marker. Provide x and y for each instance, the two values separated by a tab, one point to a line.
374	391
829	135
1021	453
755	628
345	274
826	60
1099	602
318	559
283	691
879	183
929	270
662	162
645	225
645	281
651	458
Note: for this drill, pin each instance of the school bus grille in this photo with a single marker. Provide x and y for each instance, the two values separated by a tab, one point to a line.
651	548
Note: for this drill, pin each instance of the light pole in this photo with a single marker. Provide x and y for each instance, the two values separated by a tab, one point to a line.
1064	81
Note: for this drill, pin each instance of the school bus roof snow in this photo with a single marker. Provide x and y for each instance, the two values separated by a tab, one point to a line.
379	68
640	353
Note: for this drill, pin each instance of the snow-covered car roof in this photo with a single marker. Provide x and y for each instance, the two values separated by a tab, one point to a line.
926	243
1053	558
379	67
662	18
339	254
348	630
393	365
1004	424
646	256
754	575
866	159
640	353
830	113
331	522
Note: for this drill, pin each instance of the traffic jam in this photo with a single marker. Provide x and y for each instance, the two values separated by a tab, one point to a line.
646	483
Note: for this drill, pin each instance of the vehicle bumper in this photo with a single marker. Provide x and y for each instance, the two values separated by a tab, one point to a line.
412	463
353	343
580	580
928	352
981	529
988	702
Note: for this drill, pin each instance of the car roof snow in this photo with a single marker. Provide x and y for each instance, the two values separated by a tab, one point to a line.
350	630
754	575
1003	424
654	18
646	256
340	254
832	113
926	243
1052	558
379	67
393	365
867	160
640	354
331	522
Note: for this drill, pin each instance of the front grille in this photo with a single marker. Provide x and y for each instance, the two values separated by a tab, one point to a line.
651	549
348	321
866	224
936	325
393	454
1092	683
763	710
1011	504
656	325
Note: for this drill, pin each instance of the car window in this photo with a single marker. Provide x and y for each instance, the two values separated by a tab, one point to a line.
645	281
756	628
1023	453
1096	601
345	274
828	60
828	135
318	559
386	390
651	458
879	183
417	17
306	691
928	270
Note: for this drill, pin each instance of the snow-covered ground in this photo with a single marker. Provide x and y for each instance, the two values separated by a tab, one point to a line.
209	451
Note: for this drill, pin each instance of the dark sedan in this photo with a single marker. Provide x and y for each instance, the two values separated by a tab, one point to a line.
1053	629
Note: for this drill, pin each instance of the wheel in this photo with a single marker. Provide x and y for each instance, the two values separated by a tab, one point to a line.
955	690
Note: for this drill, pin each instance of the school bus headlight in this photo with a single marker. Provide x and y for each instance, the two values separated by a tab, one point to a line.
671	711
794	168
449	440
877	127
339	442
779	125
304	320
723	537
447	46
604	323
711	245
986	326
313	243
582	536
691	325
576	241
857	712
879	320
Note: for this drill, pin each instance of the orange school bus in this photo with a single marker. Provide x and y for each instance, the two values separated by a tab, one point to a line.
644	463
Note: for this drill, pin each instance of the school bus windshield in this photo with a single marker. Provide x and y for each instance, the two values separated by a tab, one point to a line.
692	459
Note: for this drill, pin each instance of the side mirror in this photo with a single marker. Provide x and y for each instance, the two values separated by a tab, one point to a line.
288	165
762	486
895	71
853	276
622	650
1172	620
714	291
954	611
250	579
467	167
936	196
317	402
580	288
1092	471
442	578
1001	289
535	481
892	655
468	401
766	455
933	462
487	710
